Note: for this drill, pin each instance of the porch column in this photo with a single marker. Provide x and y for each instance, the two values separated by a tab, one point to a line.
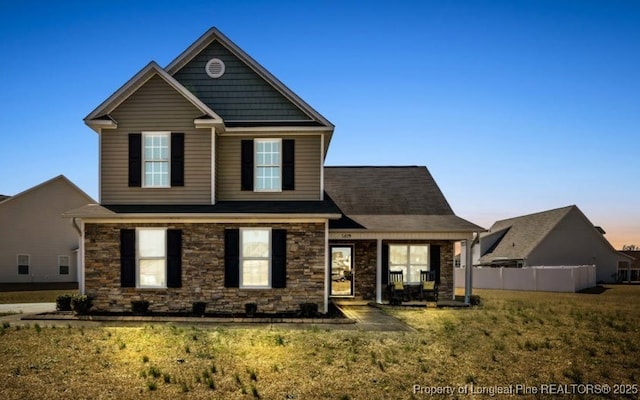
327	267
379	271
468	276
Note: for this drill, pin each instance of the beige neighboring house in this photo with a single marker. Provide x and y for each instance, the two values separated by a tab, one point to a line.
37	245
562	236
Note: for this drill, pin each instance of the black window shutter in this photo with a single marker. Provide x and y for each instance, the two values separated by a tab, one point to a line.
278	258
232	258
177	159
135	160
127	257
174	258
246	155
434	262
288	164
385	265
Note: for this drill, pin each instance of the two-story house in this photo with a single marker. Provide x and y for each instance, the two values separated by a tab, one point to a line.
213	188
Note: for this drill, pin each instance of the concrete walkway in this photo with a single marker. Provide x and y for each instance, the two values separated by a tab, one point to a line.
27	308
370	318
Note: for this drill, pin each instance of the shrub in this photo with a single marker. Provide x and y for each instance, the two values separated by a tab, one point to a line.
139	307
250	309
81	304
198	308
308	310
63	302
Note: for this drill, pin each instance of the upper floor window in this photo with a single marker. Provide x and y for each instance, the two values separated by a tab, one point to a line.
156	159
267	165
268	176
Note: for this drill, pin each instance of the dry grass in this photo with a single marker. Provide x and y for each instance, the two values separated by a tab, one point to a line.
32	296
518	338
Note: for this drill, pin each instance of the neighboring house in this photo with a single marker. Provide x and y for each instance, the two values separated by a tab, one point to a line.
37	245
629	270
213	188
562	236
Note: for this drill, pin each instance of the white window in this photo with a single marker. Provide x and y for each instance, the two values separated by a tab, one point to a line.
23	264
151	254
255	258
155	161
409	259
63	265
268	171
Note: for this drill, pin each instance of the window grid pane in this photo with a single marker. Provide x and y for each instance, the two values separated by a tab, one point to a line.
152	250
156	160
255	257
255	273
268	165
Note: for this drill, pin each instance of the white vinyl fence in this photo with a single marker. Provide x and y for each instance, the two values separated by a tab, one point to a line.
542	278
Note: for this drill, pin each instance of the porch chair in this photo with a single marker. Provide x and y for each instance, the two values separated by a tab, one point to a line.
396	287
428	285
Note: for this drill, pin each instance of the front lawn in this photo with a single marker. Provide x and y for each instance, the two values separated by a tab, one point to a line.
517	338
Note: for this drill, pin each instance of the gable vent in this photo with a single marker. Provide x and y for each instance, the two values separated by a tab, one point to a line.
215	68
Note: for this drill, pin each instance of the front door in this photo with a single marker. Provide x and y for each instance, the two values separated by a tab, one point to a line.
341	270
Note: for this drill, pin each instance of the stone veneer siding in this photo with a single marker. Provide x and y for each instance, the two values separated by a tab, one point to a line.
203	270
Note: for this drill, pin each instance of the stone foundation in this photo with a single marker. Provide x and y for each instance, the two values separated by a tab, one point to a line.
203	270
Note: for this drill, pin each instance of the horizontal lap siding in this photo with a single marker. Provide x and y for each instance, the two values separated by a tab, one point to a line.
307	170
155	107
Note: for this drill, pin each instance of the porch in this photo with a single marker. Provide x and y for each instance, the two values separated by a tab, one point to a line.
391	269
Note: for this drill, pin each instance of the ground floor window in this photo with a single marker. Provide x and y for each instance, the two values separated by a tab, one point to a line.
255	258
23	264
628	275
410	259
152	261
63	265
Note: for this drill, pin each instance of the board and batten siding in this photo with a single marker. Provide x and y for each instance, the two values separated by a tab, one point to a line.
307	170
156	106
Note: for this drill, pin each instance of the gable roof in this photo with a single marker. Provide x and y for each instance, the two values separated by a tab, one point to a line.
403	199
99	117
522	234
214	35
62	178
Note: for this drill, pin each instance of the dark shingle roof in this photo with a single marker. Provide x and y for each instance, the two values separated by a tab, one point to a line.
400	199
522	234
3	197
385	191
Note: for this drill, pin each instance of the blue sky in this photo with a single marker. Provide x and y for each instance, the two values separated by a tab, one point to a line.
515	106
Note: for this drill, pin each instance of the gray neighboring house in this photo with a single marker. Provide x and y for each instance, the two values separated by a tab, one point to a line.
629	270
562	236
37	245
